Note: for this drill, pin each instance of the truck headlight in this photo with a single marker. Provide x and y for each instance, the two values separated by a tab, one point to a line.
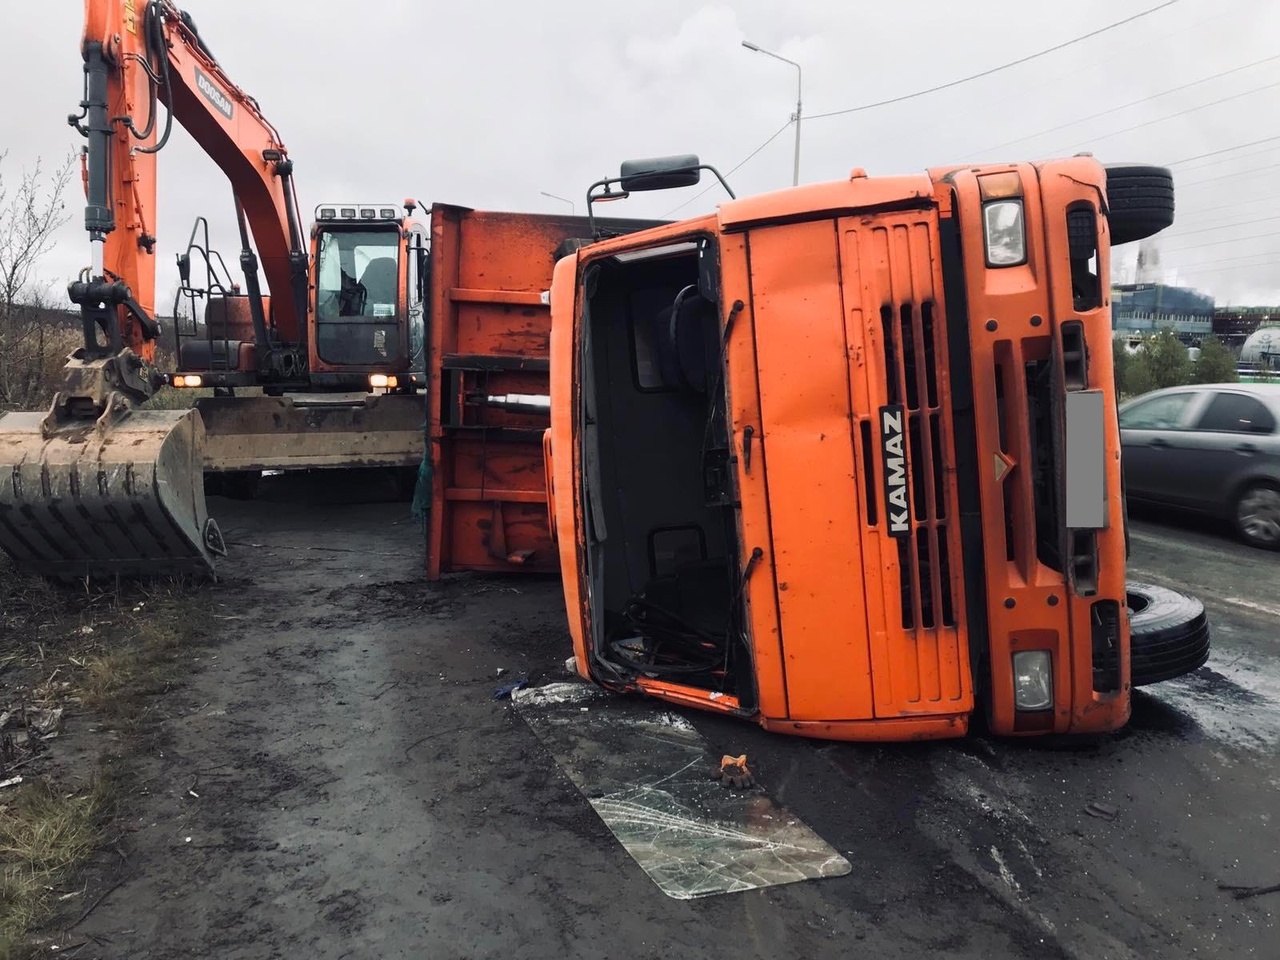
1004	230
1033	680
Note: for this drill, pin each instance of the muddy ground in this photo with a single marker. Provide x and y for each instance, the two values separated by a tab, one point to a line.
336	780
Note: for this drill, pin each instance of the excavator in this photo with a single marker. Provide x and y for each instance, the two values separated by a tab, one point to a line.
378	342
99	485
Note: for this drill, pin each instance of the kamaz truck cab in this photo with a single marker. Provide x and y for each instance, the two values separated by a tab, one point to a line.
844	458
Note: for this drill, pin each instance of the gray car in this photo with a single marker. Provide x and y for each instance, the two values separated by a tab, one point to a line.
1211	448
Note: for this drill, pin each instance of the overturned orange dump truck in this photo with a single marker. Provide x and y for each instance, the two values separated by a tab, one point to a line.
844	459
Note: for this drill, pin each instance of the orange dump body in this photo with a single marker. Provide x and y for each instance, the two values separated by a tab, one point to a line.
808	459
488	334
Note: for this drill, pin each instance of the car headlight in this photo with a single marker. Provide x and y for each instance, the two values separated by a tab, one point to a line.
1005	234
1033	680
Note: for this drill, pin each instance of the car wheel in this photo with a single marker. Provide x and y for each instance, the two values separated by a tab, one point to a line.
1168	633
1257	516
1139	201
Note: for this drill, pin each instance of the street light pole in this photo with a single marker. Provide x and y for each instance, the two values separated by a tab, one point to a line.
573	209
795	177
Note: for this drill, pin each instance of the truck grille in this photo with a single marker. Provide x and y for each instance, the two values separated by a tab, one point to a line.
911	349
1044	464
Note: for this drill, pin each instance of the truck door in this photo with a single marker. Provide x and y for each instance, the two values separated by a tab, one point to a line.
811	470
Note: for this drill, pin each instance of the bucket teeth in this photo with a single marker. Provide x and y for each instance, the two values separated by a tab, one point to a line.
93	501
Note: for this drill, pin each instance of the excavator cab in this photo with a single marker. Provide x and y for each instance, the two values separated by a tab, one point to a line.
369	271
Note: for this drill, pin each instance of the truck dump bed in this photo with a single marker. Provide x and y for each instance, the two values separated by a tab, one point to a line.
489	384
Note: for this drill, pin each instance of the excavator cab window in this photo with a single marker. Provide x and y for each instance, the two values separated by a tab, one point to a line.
358	296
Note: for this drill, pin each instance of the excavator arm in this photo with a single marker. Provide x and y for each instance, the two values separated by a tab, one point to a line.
138	55
100	485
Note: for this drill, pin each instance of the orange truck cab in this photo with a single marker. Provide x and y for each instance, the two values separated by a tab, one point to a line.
844	458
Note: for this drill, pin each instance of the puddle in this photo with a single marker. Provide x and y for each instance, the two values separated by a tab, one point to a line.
1237	702
647	773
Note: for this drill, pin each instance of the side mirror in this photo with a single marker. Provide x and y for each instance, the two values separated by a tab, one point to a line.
656	173
660	173
184	268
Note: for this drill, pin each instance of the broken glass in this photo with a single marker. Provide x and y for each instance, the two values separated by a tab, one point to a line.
649	775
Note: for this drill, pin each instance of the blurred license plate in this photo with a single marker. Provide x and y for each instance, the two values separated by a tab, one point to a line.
1086	460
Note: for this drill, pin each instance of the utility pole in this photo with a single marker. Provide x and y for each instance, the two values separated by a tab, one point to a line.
795	176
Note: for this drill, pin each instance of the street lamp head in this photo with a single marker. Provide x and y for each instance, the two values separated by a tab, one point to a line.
750	46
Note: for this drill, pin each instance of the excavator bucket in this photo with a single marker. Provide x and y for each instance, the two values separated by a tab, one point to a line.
120	496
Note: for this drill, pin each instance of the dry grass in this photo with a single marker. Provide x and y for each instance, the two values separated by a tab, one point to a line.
29	607
171	398
107	653
46	833
120	684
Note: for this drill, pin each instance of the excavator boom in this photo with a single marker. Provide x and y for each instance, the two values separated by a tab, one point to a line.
98	485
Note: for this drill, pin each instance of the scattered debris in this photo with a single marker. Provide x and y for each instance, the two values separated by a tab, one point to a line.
1245	892
501	671
11	782
502	693
44	722
1103	811
733	773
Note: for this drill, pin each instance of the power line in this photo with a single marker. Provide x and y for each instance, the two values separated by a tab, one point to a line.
1131	103
1214	153
1265	198
1229	176
1227	226
1092	69
1218	243
1180	113
1248	256
987	73
1243	266
1194	215
731	171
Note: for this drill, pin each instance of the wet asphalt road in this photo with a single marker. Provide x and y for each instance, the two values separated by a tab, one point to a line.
361	794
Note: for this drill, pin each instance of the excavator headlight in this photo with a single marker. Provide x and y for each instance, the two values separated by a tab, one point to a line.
328	213
368	213
388	213
380	380
348	213
188	380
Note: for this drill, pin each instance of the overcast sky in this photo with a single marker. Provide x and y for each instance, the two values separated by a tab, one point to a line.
488	103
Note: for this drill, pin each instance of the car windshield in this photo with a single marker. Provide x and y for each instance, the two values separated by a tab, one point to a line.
1158	413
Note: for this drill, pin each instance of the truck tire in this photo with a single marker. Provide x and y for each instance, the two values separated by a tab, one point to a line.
1169	633
1139	201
